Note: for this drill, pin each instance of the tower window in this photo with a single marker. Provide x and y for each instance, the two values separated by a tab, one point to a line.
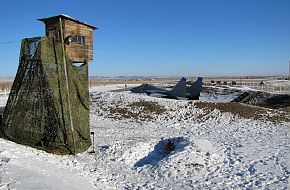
80	40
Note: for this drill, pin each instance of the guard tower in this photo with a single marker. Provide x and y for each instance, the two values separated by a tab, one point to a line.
48	106
77	36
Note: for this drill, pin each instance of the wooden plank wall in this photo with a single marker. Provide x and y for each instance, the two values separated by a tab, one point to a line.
78	52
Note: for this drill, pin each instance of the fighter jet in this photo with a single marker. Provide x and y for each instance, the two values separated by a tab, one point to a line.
178	91
193	92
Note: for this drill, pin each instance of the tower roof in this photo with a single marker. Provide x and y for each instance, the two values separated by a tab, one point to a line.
66	17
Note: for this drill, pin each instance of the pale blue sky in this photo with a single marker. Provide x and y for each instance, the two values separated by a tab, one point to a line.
163	37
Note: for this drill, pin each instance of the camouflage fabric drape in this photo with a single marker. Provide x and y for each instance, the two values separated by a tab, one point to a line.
37	112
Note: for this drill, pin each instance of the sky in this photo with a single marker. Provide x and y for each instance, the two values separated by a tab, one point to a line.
163	37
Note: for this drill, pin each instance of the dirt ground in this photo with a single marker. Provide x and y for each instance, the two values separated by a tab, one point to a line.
246	111
281	101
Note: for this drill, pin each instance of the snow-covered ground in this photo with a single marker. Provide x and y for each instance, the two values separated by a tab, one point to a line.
144	142
3	100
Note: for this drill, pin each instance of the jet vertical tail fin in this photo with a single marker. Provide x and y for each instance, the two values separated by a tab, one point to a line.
195	89
179	90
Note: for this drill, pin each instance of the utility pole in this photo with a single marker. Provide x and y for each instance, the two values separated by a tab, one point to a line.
67	85
289	71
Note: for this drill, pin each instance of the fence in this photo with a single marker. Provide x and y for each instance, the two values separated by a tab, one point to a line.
269	87
277	88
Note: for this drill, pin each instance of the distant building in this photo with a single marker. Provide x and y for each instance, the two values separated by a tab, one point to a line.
78	36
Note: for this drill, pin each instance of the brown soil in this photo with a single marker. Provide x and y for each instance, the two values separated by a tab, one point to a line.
245	111
142	110
281	102
148	106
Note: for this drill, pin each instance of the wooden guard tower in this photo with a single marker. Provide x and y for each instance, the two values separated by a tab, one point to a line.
76	35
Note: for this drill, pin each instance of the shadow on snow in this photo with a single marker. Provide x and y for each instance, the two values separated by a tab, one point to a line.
162	149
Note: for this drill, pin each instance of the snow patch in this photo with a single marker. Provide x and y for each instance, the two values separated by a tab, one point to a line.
3	100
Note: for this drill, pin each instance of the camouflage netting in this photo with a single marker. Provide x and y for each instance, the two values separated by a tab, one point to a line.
37	111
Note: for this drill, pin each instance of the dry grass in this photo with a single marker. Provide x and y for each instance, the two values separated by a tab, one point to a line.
148	106
5	85
140	111
245	111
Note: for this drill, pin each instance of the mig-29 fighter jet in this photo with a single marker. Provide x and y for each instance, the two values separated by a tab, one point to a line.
193	92
179	91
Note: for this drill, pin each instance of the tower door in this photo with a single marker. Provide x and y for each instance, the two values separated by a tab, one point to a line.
53	33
